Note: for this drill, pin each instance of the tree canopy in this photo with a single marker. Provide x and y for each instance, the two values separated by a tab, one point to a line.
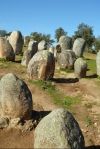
59	32
97	43
39	37
4	33
86	32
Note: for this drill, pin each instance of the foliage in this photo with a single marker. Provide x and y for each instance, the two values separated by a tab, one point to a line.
88	121
59	32
58	98
39	37
27	39
96	43
4	33
86	32
67	70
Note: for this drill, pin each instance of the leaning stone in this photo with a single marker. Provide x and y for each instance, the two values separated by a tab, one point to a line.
6	50
79	46
58	129
42	45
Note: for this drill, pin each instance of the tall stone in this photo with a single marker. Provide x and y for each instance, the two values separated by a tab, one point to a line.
79	46
98	63
65	42
16	41
53	50
6	50
80	68
15	97
41	66
59	130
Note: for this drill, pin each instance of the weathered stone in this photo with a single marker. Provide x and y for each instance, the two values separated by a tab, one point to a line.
6	50
79	46
66	59
58	129
41	66
53	50
42	45
27	55
65	42
4	122
33	46
15	97
80	68
98	63
16	41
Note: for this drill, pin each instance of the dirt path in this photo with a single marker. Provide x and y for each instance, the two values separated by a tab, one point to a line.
88	110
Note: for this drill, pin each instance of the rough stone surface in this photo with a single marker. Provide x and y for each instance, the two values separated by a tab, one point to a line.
16	41
27	55
98	63
6	50
42	45
58	129
79	46
65	42
66	59
80	68
33	46
4	122
53	50
15	97
41	66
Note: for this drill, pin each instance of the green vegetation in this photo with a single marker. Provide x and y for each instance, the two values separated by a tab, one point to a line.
59	32
57	96
67	70
86	32
88	121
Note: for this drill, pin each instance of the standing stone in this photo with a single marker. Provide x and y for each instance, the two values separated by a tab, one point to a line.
33	46
80	68
79	46
42	45
53	50
6	50
58	130
65	42
66	59
16	41
15	97
41	66
28	54
98	63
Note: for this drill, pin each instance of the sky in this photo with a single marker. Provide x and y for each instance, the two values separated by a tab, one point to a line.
45	16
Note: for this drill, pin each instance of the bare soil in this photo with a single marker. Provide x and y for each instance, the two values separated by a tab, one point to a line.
66	83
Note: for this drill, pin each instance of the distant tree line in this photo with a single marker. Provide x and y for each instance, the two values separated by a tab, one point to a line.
83	31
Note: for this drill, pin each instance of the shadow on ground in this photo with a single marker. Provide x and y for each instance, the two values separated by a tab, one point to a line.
93	147
37	115
65	80
92	76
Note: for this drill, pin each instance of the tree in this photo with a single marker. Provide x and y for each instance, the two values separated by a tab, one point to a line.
59	32
39	37
86	32
3	33
97	43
